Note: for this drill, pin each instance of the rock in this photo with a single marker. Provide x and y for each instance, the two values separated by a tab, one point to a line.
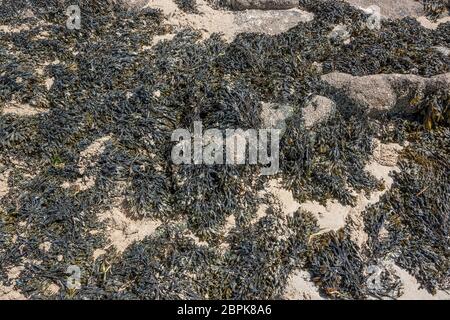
271	22
392	9
443	50
340	33
262	4
386	154
275	115
317	67
52	289
317	110
386	92
45	246
400	9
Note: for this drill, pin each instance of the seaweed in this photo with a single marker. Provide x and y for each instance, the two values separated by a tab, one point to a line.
434	8
316	161
415	212
189	6
112	84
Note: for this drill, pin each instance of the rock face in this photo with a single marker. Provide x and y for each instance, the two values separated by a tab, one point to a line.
386	92
262	4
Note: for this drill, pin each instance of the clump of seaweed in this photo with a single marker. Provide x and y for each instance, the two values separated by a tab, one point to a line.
434	8
317	161
336	265
435	109
219	4
415	212
189	6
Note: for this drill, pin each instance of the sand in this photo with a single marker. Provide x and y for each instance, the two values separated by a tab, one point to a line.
17	29
4	183
123	231
426	23
8	293
21	109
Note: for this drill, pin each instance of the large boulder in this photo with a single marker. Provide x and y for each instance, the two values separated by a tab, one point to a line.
386	92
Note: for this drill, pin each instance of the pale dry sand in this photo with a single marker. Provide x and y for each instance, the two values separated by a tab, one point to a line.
123	231
17	29
300	287
426	23
412	289
21	109
335	216
23	27
288	204
4	183
8	292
